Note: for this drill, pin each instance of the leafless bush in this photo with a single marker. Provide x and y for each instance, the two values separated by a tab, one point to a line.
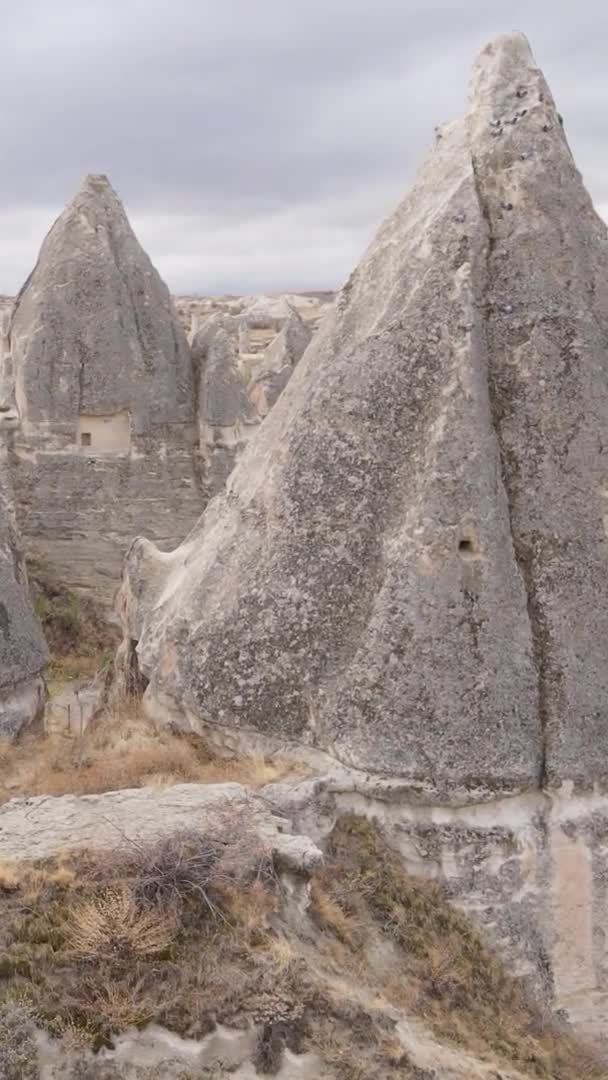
190	864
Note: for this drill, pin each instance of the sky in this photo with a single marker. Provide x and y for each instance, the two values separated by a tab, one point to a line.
258	144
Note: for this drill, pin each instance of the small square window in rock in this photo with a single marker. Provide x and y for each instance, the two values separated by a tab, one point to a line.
85	438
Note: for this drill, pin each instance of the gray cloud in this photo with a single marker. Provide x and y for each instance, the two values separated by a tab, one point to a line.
257	146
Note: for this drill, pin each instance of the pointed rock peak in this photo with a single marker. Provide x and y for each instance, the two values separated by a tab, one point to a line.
419	522
97	182
97	196
506	51
506	79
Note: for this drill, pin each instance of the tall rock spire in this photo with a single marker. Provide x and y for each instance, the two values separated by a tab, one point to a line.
409	570
104	386
94	327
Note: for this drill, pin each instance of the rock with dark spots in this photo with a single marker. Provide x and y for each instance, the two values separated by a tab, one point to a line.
104	386
276	367
409	569
23	651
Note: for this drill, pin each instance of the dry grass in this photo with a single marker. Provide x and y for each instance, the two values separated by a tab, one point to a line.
442	970
9	879
122	751
114	922
78	636
176	932
196	930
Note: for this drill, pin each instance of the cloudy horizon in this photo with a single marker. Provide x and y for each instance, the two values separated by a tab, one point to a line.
258	147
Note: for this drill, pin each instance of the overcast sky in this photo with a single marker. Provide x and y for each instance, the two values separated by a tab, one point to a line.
257	144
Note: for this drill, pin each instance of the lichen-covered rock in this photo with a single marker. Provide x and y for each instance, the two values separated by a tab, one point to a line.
23	651
277	364
104	386
409	568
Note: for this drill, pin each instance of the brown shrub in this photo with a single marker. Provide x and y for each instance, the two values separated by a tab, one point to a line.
122	751
116	924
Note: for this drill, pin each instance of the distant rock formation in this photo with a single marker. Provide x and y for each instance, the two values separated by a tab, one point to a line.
194	310
261	320
225	414
276	367
23	651
104	388
409	570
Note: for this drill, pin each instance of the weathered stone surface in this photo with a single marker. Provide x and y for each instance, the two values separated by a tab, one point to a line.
23	651
276	367
404	550
262	318
44	826
104	387
225	414
531	869
194	310
409	569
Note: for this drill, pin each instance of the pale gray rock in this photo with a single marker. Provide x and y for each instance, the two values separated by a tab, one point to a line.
276	367
264	313
409	568
41	827
23	651
104	386
225	414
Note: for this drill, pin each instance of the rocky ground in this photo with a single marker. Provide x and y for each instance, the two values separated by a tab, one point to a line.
190	931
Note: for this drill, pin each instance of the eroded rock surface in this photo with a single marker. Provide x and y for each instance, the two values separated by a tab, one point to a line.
226	417
403	551
41	827
408	571
104	388
23	651
276	368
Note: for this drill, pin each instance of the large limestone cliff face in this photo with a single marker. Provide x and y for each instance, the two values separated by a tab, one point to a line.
23	652
409	569
103	384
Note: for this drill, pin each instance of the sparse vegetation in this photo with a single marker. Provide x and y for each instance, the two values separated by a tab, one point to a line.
195	931
79	639
121	751
443	972
18	1055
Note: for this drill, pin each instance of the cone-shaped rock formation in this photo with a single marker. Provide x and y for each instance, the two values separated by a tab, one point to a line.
409	570
104	388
